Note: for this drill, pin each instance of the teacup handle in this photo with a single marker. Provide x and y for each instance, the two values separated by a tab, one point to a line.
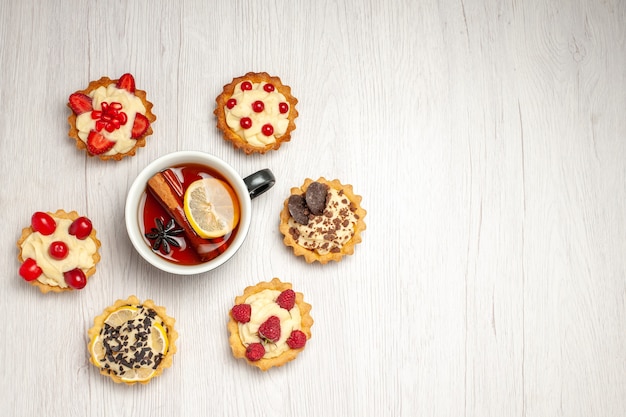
259	182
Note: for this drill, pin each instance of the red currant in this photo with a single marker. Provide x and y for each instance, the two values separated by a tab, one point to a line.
75	278
246	85
245	122
58	250
29	270
258	106
43	223
81	228
267	129
268	87
283	107
231	103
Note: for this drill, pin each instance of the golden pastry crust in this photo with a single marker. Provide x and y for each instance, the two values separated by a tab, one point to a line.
139	142
237	141
311	256
237	346
168	322
61	214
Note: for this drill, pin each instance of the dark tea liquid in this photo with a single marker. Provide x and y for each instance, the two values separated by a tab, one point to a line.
152	210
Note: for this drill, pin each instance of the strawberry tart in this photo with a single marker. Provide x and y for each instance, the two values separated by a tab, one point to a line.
322	220
269	324
110	118
256	112
58	251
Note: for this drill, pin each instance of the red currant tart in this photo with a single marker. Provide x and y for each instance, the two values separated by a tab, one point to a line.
270	324
110	119
256	112
58	251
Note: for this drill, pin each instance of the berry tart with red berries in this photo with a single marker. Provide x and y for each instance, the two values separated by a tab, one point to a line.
269	324
256	112
322	220
58	251
110	118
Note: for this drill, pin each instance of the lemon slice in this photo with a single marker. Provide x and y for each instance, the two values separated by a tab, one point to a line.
121	315
211	207
97	351
138	375
158	339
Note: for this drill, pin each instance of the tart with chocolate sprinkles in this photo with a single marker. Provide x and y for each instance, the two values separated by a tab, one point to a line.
322	220
270	324
256	112
132	341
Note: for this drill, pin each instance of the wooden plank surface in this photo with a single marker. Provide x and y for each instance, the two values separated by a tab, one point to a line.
487	139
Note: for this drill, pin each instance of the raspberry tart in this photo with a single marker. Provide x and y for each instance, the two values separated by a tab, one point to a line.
132	341
58	251
256	112
269	324
110	118
322	220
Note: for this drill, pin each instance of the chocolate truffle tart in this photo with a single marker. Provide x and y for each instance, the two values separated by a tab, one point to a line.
110	119
322	220
58	252
132	341
269	324
256	112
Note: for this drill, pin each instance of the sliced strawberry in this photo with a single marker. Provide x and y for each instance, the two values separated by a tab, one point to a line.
140	126
80	103
97	144
127	82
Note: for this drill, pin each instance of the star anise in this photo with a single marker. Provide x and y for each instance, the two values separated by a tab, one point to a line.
163	236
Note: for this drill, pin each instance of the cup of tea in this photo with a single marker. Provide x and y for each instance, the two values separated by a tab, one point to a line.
188	212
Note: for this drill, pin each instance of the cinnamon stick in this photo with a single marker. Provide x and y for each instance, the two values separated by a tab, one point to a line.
168	191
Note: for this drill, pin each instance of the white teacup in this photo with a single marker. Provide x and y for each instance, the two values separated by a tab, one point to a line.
245	188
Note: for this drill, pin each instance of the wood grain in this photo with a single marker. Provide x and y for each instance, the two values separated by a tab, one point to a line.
487	141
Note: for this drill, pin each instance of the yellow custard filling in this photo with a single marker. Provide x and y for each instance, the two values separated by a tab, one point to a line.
80	253
263	305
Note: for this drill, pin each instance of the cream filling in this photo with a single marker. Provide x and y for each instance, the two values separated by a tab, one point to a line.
131	344
80	253
329	231
270	114
131	105
263	305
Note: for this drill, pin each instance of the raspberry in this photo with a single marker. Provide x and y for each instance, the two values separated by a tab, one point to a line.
296	340
286	299
241	312
255	351
269	330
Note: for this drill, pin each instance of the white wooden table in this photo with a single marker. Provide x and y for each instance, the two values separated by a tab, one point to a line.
488	140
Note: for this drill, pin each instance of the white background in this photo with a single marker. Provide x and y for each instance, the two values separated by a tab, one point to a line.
487	139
